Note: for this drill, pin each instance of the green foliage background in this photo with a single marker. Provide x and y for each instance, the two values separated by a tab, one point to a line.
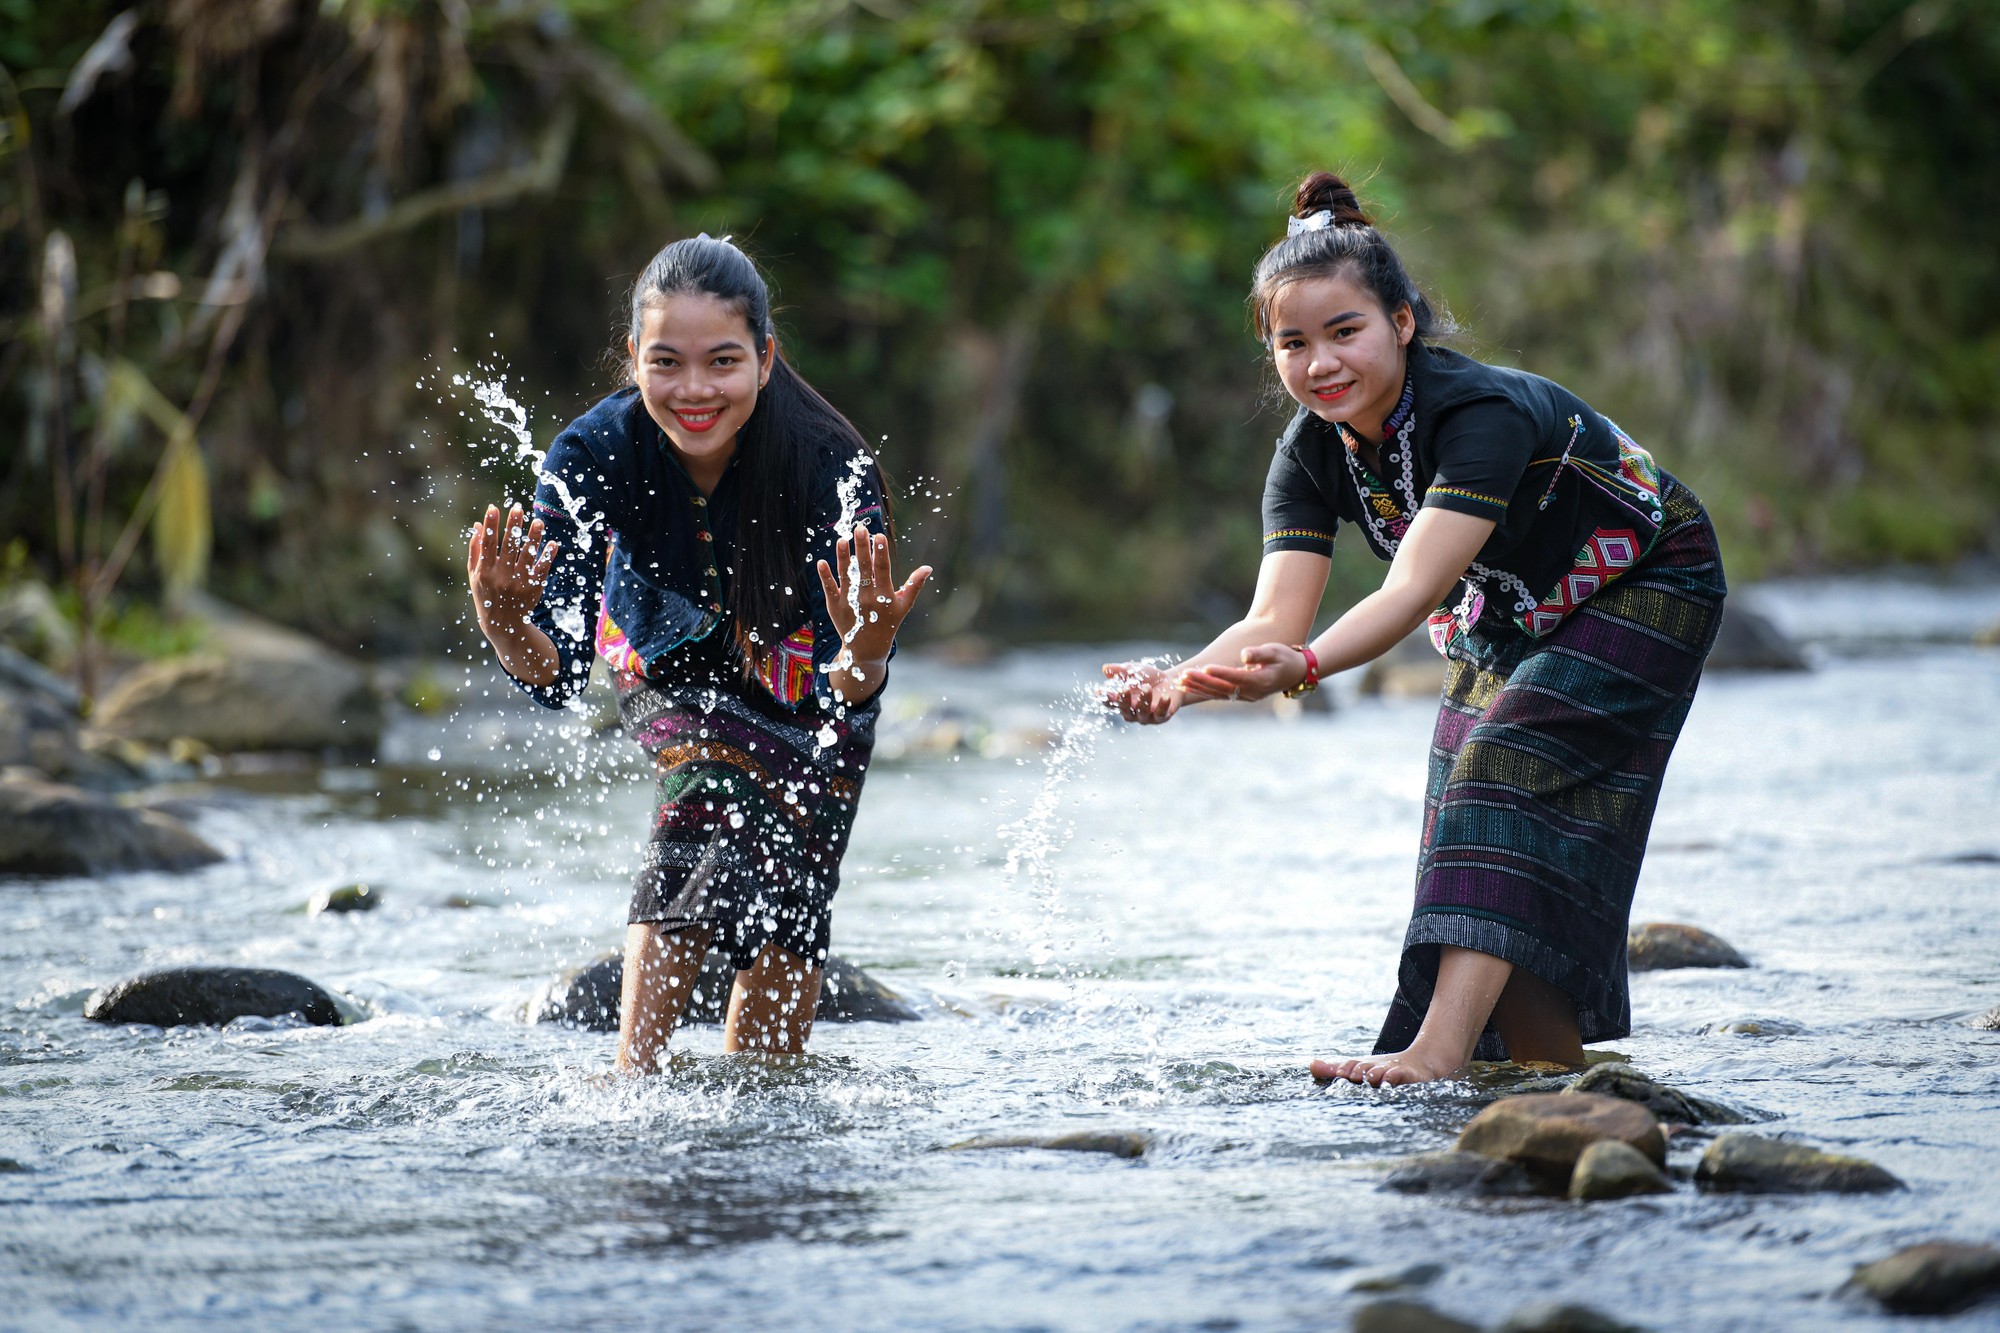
1011	239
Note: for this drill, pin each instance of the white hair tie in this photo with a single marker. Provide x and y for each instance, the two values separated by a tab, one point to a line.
1319	221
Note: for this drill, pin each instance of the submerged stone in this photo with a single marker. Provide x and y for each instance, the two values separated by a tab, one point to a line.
1407	1317
1653	946
1748	1164
1547	1131
47	828
1399	1279
1936	1277
1612	1170
182	996
1564	1317
1468	1173
587	997
1756	1027
1669	1104
1116	1142
346	898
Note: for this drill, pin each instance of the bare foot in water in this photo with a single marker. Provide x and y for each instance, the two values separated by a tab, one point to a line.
1416	1065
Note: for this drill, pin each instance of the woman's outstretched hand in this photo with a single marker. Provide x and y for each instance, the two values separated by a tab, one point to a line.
1268	669
507	567
1141	693
862	597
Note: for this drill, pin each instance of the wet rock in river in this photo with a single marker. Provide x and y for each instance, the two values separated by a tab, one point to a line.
1406	1278
1937	1277
1655	945
255	686
588	996
1613	1170
1615	1079
48	828
182	996
1748	641
1756	1027
1407	1317
346	898
1116	1142
1748	1164
1468	1173
1564	1317
1547	1131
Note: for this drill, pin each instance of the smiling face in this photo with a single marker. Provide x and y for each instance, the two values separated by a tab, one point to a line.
1338	352
699	366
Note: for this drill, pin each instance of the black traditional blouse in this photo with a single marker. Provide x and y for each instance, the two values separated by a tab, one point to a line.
643	570
1575	502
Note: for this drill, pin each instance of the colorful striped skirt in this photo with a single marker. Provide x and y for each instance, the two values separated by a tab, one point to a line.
1545	770
752	814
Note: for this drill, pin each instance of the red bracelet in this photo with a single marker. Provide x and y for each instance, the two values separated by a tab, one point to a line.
1311	682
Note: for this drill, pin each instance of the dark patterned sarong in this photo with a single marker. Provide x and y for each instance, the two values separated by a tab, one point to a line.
1545	770
752	815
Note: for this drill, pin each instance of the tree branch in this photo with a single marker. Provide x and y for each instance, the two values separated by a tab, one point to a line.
539	176
1408	98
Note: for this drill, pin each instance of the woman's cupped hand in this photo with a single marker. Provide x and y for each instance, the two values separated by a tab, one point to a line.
1267	669
1141	692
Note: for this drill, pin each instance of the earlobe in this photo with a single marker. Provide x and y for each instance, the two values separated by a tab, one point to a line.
632	358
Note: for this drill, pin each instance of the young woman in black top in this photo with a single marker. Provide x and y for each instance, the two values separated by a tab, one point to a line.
1574	589
706	531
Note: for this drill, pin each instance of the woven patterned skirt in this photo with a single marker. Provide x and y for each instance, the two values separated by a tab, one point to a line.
751	818
1545	770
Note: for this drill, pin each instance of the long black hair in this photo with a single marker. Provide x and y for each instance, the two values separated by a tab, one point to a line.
1347	241
781	451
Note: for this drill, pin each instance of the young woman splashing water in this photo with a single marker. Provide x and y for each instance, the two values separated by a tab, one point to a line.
1574	589
711	523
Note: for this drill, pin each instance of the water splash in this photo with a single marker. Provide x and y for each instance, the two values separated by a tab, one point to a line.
1035	841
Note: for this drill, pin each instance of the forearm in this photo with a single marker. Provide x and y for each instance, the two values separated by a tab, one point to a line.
1253	629
1371	627
525	653
857	680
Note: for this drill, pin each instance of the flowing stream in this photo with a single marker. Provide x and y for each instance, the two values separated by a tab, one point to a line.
1125	930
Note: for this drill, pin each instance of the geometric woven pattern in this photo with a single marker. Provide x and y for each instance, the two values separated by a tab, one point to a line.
1603	556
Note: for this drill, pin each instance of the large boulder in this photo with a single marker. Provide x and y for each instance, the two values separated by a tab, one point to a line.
1747	1164
1748	641
32	625
1937	1277
1653	946
47	828
180	996
254	686
39	728
1547	1131
587	997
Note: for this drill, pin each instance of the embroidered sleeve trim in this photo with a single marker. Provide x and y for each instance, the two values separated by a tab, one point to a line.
1459	493
1297	534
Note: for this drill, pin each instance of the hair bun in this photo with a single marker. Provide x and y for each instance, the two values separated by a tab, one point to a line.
1323	191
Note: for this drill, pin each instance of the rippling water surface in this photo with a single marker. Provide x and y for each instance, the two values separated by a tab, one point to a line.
1191	913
